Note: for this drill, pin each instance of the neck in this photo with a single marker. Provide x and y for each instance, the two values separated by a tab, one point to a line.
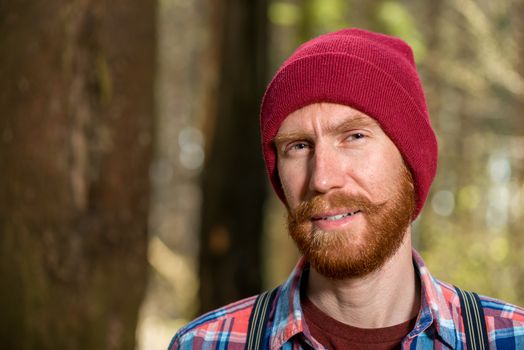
383	298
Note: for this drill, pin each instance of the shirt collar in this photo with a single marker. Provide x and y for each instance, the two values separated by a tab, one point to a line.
434	309
288	318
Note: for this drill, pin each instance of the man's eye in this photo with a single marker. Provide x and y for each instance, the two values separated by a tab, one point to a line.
298	146
356	136
301	145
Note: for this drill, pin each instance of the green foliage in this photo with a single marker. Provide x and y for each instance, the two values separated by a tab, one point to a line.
474	260
399	22
315	16
284	14
328	15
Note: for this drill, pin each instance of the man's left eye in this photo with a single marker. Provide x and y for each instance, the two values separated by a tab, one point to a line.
356	136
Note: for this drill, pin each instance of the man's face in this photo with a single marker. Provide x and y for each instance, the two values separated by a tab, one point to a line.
349	195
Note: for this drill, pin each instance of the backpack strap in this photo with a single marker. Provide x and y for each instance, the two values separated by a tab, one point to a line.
474	322
258	320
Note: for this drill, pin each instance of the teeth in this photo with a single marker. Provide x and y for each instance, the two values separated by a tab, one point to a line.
338	217
335	217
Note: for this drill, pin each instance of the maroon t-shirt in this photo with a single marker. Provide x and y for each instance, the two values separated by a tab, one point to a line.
334	334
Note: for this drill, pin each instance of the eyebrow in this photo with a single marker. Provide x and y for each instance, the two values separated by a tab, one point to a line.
358	121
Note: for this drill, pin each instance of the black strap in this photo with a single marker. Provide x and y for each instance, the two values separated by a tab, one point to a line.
474	321
258	320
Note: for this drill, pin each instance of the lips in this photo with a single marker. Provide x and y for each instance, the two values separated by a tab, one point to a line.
334	217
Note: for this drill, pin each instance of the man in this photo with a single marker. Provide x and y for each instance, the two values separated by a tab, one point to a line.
350	150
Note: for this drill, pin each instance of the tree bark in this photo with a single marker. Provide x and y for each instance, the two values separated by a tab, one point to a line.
233	179
76	95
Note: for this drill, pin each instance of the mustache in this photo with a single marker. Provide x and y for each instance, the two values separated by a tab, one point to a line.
339	200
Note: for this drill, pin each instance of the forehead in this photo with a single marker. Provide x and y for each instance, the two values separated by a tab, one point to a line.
328	116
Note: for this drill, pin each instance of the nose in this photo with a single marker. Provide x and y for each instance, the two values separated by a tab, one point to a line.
326	170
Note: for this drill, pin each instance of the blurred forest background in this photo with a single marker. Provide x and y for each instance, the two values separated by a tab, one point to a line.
132	191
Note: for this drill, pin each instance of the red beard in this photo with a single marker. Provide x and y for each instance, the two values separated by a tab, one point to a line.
352	252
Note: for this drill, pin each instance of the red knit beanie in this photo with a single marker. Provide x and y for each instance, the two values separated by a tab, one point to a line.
371	72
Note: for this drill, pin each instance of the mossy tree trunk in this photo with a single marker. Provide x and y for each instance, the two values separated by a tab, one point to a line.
76	99
233	181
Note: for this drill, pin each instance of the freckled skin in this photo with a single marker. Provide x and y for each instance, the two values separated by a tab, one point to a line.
332	159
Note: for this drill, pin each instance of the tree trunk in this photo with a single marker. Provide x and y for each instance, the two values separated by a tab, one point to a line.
233	179
76	97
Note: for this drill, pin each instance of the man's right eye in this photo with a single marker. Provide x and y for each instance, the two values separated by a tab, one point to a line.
298	146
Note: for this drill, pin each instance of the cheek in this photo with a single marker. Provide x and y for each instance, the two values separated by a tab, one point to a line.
293	177
380	173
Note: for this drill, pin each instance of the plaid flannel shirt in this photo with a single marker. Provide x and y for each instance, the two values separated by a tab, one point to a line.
439	323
